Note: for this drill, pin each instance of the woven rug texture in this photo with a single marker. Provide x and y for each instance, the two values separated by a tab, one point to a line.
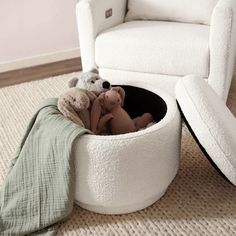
198	202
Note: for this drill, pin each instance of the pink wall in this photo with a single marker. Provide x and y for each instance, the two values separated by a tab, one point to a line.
30	28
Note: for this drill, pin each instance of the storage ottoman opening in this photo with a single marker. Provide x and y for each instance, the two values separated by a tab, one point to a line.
118	174
139	101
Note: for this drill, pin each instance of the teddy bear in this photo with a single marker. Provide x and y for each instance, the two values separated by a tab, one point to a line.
90	81
110	104
75	104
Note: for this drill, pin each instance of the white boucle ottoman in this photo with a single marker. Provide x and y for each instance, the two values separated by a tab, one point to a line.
118	174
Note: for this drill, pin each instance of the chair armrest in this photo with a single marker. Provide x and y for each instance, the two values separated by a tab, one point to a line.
222	46
91	20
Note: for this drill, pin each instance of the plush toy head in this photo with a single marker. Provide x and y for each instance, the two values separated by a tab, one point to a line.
90	81
108	102
77	99
112	98
74	102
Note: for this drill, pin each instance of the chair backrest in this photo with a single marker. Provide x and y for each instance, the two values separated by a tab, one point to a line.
191	11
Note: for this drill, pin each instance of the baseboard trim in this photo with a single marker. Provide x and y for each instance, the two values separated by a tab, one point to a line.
39	60
40	71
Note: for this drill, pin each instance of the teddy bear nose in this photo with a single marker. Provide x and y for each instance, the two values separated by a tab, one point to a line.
106	85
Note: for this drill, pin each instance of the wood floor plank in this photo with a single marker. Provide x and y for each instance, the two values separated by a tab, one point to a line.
40	72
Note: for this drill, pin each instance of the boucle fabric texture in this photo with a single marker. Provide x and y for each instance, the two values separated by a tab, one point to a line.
221	44
194	11
124	173
91	21
211	121
198	202
164	82
155	47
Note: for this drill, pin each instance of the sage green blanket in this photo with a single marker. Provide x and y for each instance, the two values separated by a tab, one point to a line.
38	190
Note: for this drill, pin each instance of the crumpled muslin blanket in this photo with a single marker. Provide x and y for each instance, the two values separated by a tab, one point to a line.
38	191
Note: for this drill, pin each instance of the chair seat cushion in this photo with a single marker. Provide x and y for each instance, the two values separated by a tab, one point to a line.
155	47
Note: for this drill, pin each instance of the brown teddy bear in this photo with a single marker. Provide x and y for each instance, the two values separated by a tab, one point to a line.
110	104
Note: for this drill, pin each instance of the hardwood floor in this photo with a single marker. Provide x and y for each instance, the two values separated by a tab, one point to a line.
39	72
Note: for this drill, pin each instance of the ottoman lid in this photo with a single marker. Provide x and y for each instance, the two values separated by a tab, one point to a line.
211	123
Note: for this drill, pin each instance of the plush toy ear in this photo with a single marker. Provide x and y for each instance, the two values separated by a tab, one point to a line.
92	96
96	112
101	98
121	91
94	70
72	83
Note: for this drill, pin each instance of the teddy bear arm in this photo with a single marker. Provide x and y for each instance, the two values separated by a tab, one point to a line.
103	121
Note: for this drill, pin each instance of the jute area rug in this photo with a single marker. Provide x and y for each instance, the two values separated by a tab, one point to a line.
198	202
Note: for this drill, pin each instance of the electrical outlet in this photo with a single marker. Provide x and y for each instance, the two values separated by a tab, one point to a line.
108	13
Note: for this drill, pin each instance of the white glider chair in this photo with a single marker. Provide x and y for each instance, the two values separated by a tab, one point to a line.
159	41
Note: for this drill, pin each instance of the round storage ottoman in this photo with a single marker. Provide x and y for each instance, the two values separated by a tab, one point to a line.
117	174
